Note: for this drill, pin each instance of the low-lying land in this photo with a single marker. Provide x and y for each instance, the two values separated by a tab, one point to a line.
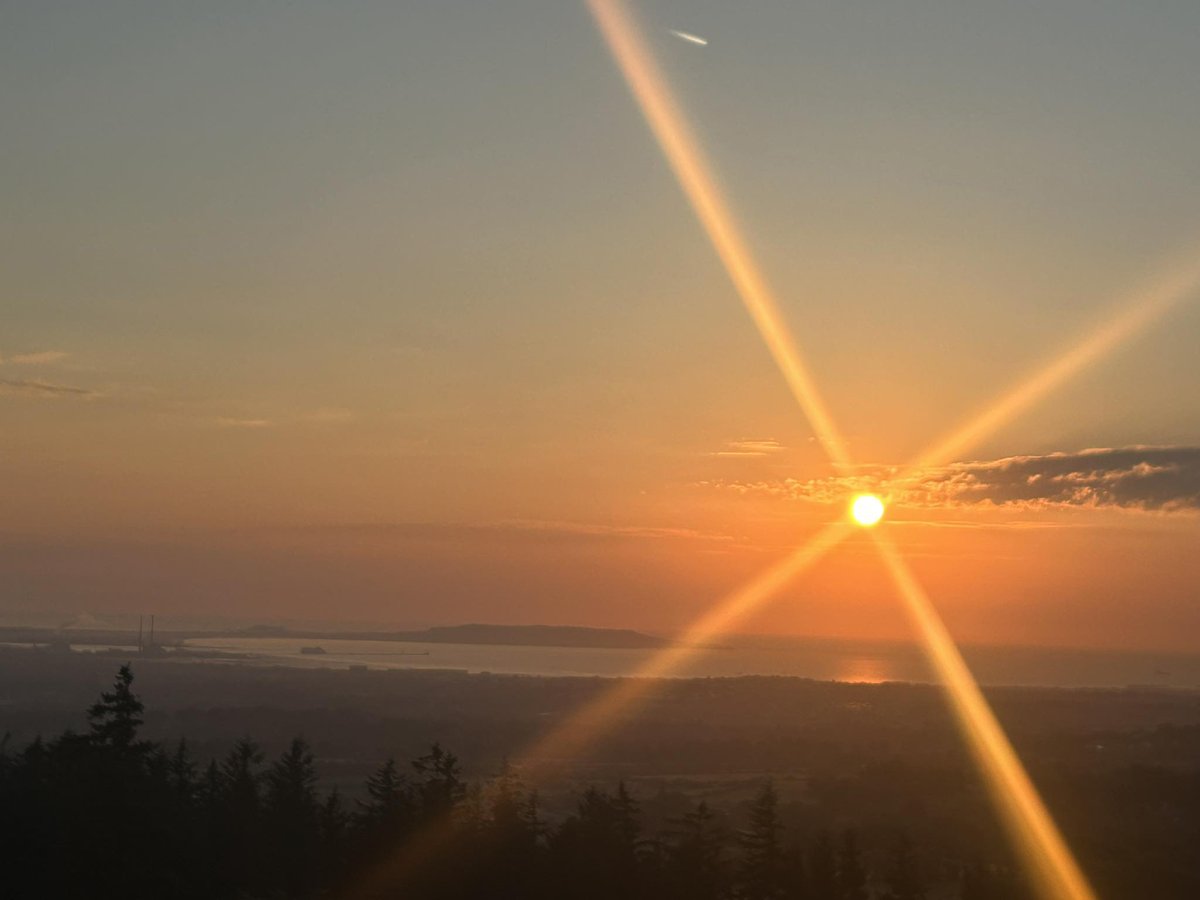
1120	768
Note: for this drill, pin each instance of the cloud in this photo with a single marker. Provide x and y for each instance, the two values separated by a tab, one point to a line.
231	422
1146	478
320	416
31	388
328	415
750	448
585	529
519	528
41	358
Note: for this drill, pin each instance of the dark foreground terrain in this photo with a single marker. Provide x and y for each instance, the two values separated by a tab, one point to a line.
747	787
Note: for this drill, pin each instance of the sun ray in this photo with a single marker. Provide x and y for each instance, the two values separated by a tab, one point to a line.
695	176
1050	859
1030	823
616	703
1028	820
1147	307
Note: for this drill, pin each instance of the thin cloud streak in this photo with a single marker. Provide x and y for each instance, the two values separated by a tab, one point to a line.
40	358
529	528
750	448
232	422
33	388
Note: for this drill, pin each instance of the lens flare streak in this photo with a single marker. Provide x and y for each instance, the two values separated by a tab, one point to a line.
613	704
600	715
695	177
1050	860
1143	311
1030	822
1057	874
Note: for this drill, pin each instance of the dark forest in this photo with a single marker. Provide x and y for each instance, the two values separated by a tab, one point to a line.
105	813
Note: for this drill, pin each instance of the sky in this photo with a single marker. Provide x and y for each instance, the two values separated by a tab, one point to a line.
394	312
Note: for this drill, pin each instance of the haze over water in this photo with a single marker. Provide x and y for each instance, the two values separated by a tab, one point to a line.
826	660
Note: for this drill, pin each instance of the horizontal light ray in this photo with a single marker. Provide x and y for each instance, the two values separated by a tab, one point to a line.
1143	311
695	177
589	722
1054	868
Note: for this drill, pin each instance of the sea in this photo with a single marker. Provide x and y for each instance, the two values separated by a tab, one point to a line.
825	659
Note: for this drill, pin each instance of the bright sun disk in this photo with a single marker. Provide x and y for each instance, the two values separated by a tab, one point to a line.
866	510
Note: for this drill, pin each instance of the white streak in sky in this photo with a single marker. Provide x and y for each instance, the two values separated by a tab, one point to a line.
684	36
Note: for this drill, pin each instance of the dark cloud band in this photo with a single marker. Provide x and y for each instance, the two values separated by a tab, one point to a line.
1148	478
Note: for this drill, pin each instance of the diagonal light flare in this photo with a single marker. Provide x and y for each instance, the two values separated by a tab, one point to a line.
1057	873
695	176
601	714
1147	307
617	702
1027	817
1054	868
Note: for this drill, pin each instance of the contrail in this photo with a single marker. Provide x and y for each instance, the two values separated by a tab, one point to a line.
684	36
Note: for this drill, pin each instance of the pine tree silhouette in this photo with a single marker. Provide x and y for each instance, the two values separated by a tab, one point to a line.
761	871
904	877
238	828
822	867
596	850
116	717
851	877
695	865
439	783
291	815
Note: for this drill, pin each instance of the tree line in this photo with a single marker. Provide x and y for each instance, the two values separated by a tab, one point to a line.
107	814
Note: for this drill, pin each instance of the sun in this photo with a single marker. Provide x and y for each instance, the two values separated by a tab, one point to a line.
866	510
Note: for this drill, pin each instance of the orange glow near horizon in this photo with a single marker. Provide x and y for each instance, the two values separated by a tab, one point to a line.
1028	820
695	177
1034	832
600	714
1055	869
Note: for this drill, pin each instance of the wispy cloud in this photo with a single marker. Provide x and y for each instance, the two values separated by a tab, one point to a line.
328	415
520	528
33	388
750	448
1146	478
40	358
320	416
585	529
233	422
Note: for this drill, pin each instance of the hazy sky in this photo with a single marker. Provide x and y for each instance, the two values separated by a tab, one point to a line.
394	311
